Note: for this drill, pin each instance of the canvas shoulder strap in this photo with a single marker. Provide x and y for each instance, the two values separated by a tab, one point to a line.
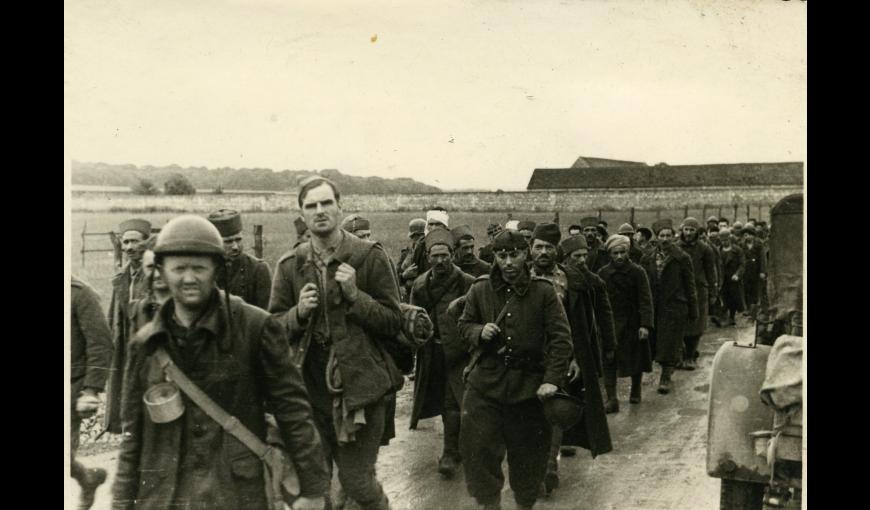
229	423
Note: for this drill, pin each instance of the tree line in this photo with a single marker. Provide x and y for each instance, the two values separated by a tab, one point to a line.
171	179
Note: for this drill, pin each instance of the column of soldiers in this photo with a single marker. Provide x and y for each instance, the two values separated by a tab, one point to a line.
520	336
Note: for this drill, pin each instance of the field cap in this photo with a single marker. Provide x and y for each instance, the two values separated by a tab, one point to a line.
512	225
461	232
713	219
625	228
526	225
227	221
137	224
589	221
438	236
662	224
548	232
691	222
571	244
509	240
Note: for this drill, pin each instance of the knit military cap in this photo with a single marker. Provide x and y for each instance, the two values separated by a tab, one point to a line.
603	231
625	229
662	224
509	240
713	219
526	225
300	225
461	232
438	236
748	228
416	226
548	232
227	221
571	244
691	222
589	221
136	224
356	223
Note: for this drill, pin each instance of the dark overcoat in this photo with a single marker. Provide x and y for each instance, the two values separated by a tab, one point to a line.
90	339
675	303
704	266
756	263
442	359
631	299
592	334
475	268
733	263
126	289
243	365
250	279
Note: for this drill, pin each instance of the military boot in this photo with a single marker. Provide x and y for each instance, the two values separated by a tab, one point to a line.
449	462
636	383
89	480
665	381
612	404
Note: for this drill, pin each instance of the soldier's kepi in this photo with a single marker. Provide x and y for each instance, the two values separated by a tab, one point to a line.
246	276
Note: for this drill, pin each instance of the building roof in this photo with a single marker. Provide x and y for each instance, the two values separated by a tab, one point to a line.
665	176
587	162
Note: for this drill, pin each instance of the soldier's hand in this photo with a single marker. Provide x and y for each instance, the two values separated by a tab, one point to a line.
489	332
546	390
302	503
345	275
411	273
308	300
87	403
643	333
762	276
573	370
735	278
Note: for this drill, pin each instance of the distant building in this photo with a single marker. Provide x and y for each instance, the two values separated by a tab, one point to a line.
596	173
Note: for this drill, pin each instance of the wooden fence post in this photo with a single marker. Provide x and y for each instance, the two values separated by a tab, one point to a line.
748	212
631	217
599	214
258	241
117	254
85	228
720	211
735	213
703	217
658	214
686	211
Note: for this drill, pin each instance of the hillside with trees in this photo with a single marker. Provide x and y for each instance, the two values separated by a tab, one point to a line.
225	178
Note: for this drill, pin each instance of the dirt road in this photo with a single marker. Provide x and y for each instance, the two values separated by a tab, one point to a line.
658	460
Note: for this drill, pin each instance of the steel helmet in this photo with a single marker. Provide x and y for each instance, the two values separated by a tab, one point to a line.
189	234
563	410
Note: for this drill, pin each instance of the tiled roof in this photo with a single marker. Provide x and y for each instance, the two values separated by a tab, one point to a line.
664	176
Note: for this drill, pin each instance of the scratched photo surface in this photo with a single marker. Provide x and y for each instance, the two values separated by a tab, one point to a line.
628	111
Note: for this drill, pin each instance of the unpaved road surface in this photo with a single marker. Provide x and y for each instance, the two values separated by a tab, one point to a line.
658	461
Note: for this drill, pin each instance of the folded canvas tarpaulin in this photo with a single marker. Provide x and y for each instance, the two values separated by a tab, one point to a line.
783	381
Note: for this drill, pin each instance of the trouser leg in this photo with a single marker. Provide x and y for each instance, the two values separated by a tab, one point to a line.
356	461
481	442
612	404
452	420
528	438
636	387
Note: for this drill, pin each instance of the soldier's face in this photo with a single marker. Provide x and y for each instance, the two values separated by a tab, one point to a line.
511	263
666	237
690	233
151	269
543	253
132	243
363	234
233	246
619	254
527	234
191	279
723	224
440	260
714	238
465	250
321	211
577	258
591	234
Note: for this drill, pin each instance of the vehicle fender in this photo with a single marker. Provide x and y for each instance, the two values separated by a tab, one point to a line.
736	410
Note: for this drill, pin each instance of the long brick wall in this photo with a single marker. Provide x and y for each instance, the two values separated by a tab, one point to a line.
567	201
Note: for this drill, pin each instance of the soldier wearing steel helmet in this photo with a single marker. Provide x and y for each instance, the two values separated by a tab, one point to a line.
237	354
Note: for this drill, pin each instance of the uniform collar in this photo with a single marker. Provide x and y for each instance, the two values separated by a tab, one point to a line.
212	320
498	282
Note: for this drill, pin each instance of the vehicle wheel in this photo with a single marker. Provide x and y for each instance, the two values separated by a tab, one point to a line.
739	495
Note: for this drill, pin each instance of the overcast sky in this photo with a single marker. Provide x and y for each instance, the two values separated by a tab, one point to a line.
454	94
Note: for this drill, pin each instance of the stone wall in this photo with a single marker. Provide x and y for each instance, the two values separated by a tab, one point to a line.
567	201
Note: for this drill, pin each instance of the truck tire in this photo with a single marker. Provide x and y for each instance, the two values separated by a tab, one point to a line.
739	495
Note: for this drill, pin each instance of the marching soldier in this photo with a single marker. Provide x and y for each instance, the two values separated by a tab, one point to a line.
486	255
416	232
520	330
438	385
245	276
236	354
704	266
128	286
527	229
597	257
464	249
